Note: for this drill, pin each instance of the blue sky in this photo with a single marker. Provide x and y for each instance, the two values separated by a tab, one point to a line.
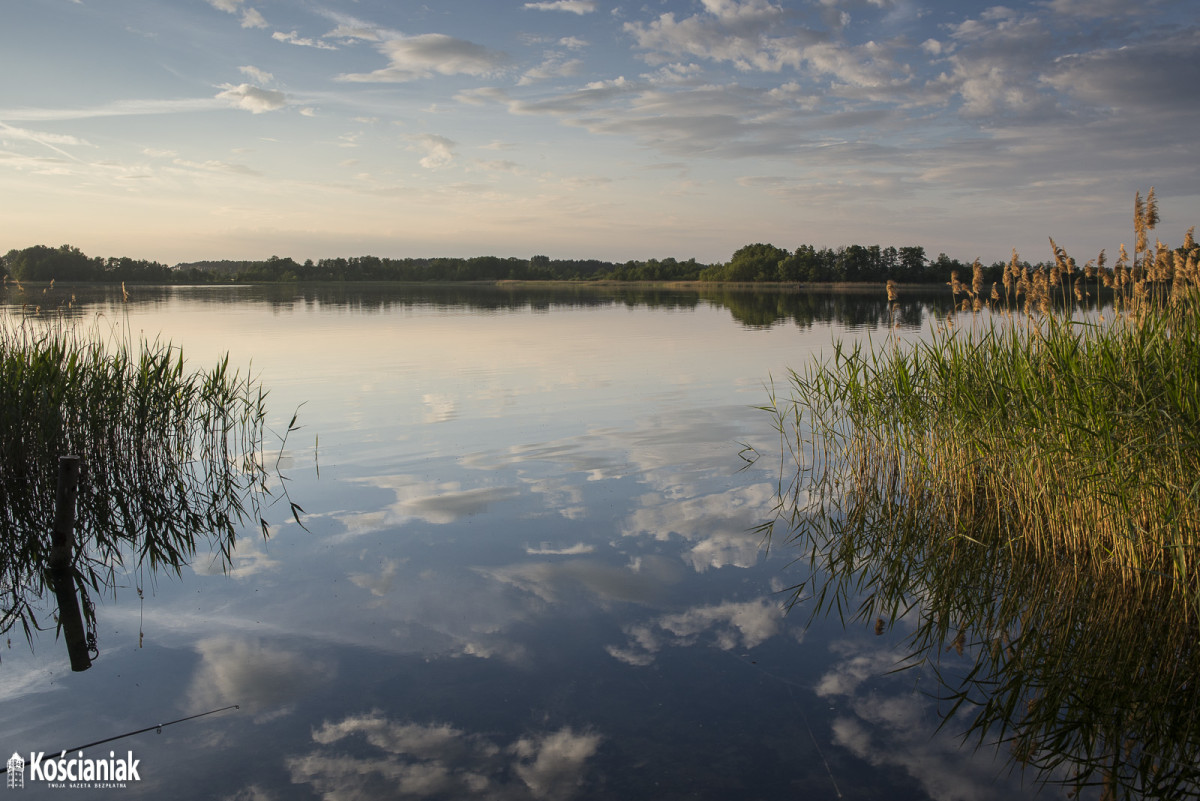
207	129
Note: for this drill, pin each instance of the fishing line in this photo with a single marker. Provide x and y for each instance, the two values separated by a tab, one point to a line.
799	708
158	727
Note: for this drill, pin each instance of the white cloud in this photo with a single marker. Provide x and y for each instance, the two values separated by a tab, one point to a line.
1010	65
679	117
413	57
737	32
553	67
482	95
9	132
354	29
1161	76
574	6
754	37
439	152
215	166
260	76
1096	9
868	65
119	108
590	97
252	98
251	18
294	38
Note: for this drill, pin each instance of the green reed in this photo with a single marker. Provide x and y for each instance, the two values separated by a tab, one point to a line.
172	457
1024	484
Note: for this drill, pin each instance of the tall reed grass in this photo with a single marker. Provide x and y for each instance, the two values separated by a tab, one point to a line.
1024	484
172	457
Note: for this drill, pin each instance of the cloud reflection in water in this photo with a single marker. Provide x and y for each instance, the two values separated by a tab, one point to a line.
642	581
717	526
437	759
439	503
265	678
889	721
726	626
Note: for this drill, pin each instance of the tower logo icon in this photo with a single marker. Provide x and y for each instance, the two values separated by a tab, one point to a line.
16	771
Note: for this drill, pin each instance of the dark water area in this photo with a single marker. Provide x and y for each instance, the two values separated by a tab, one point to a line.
527	569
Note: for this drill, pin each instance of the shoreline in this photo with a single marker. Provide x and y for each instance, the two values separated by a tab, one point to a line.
517	283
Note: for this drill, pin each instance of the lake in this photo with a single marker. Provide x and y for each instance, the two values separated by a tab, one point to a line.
527	567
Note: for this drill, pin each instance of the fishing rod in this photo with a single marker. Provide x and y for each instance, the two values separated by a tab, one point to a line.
158	727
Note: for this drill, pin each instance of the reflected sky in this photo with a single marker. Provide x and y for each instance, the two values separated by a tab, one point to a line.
527	570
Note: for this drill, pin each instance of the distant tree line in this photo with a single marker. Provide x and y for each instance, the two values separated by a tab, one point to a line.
855	263
757	263
67	263
478	268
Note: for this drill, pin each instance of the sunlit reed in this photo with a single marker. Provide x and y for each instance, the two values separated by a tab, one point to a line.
1027	489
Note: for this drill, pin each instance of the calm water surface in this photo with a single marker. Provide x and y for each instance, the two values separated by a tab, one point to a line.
528	570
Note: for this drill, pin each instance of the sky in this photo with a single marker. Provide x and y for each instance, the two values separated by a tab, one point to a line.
241	129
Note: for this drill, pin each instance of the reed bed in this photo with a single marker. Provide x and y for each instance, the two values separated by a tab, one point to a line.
1024	484
172	458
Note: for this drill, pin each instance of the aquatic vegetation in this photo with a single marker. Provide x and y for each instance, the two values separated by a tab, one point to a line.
171	458
1022	488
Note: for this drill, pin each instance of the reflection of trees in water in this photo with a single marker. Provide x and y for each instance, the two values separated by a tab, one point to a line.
851	307
170	459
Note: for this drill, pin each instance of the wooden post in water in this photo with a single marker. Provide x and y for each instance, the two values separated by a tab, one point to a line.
62	541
